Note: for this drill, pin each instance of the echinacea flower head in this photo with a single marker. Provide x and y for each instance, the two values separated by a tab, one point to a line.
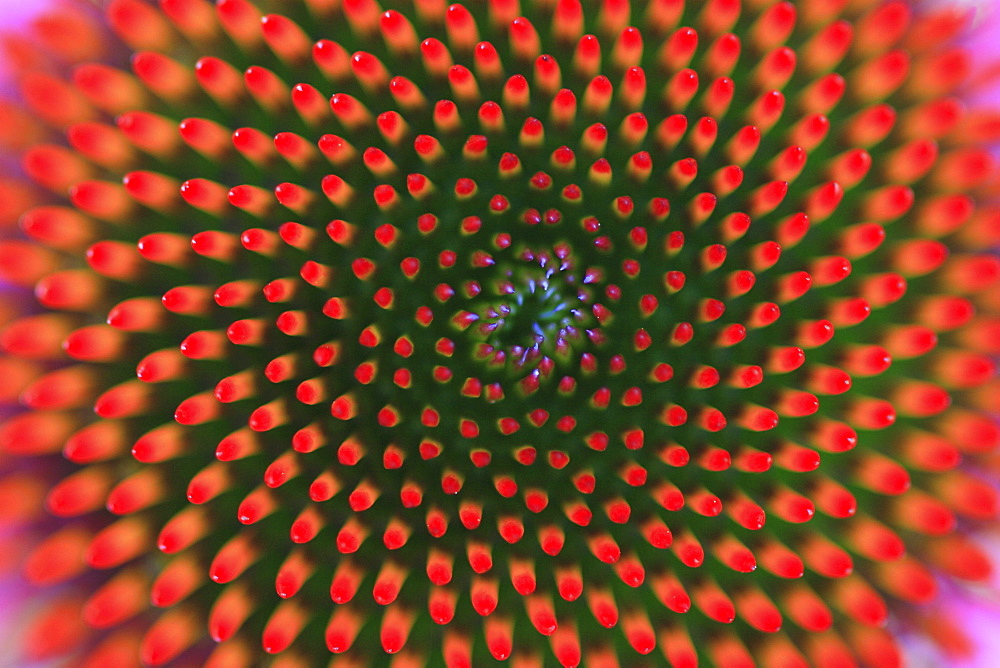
556	332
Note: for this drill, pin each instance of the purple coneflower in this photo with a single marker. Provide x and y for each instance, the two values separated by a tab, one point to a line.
427	334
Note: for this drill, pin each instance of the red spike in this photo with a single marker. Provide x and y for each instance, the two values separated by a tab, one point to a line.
70	387
677	646
730	650
254	145
766	110
198	409
541	614
234	652
136	492
396	534
178	579
889	70
284	625
773	26
909	580
163	75
822	556
396	625
229	611
775	69
109	88
233	559
118	543
19	373
806	609
734	554
257	505
169	635
631	571
55	630
281	470
388	583
350	536
343	629
309	522
780	560
860	601
54	100
55	167
212	480
713	602
184	529
57	558
551	539
719	15
524	41
722	55
39	433
745	512
220	80
96	343
117	600
457	649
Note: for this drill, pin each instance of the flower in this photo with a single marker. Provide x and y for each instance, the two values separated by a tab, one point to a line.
515	330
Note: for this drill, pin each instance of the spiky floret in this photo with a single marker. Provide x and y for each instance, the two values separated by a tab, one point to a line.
532	330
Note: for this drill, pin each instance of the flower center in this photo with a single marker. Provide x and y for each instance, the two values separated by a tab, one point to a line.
540	310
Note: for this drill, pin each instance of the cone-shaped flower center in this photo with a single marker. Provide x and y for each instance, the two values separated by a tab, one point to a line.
504	330
539	307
